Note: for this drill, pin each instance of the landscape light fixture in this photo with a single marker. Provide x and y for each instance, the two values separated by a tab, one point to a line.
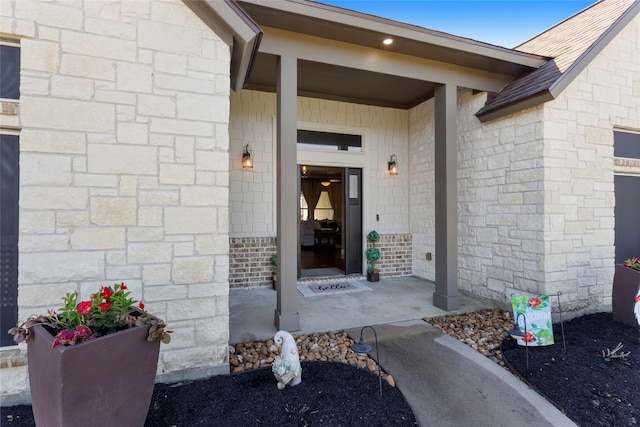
517	333
393	165
247	158
363	348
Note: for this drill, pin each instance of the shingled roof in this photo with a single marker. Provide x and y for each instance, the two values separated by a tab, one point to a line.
570	45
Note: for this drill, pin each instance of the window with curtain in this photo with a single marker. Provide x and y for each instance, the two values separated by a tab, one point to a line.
323	208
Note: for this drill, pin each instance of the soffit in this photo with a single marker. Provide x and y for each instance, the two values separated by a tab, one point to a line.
332	81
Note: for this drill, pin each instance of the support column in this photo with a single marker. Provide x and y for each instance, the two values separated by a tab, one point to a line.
446	204
286	316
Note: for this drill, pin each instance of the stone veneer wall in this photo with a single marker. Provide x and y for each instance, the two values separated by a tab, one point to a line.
124	169
535	189
250	261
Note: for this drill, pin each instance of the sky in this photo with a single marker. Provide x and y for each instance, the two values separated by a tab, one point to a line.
504	23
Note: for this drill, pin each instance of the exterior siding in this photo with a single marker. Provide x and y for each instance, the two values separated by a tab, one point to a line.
124	162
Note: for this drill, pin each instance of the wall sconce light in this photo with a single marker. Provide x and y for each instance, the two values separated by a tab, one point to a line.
247	158
393	165
304	171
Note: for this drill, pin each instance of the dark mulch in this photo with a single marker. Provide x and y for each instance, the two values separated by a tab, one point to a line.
591	389
331	394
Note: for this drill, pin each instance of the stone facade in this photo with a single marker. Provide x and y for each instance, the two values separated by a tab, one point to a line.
535	189
122	120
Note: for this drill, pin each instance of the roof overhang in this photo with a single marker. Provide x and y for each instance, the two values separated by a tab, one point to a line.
341	55
236	29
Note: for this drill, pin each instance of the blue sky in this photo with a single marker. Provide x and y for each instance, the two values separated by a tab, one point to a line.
501	22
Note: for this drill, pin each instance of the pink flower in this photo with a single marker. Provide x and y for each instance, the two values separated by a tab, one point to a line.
84	307
106	293
105	306
534	302
141	305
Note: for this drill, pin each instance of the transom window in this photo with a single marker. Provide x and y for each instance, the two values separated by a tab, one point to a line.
329	141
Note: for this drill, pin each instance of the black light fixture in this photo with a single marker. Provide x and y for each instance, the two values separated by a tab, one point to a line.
363	348
304	171
393	165
247	158
516	333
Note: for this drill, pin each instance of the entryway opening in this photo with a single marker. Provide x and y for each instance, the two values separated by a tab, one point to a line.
321	221
330	221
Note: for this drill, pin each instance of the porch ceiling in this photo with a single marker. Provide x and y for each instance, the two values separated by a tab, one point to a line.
327	81
381	86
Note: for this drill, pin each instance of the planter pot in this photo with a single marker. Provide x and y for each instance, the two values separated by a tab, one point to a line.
107	381
626	283
373	277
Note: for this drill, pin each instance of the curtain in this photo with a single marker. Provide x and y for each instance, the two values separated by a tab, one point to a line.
335	198
311	190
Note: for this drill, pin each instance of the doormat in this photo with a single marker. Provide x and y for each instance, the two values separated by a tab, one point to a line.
318	289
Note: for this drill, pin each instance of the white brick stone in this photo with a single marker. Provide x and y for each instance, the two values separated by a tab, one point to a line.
156	274
169	38
88	44
165	293
170	63
52	142
142	253
55	113
191	309
149	216
44	242
32	222
53	198
145	234
113	211
55	267
39	55
133	133
62	14
134	77
72	219
122	159
190	220
160	106
181	127
33	86
192	270
204	196
45	170
201	107
97	238
72	87
176	174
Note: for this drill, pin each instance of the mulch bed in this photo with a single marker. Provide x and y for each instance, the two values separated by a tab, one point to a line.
331	394
591	388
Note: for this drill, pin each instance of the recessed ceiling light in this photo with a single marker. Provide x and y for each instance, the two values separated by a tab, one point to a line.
387	41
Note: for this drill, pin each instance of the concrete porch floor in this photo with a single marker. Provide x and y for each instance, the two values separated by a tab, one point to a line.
391	300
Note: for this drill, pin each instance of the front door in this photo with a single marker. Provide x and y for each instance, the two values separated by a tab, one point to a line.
352	234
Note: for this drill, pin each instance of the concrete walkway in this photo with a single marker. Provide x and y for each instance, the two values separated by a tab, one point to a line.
445	382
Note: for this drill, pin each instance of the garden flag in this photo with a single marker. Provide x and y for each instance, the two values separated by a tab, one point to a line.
536	312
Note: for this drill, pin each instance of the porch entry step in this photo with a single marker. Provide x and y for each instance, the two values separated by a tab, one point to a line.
329	277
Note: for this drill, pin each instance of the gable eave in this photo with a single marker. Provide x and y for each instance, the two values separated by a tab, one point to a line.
237	29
